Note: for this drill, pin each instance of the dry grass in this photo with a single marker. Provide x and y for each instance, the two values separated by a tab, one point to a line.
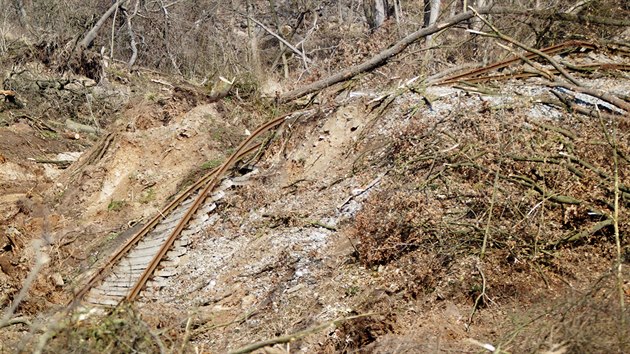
550	221
122	331
582	322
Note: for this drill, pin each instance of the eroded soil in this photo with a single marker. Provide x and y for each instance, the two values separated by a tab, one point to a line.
369	213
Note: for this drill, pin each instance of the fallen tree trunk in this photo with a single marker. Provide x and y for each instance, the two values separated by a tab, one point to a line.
382	58
91	35
78	127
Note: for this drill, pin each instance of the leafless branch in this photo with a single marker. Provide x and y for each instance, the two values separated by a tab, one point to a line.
509	39
384	56
289	45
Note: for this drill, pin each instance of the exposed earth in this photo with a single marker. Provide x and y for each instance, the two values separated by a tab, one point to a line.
389	220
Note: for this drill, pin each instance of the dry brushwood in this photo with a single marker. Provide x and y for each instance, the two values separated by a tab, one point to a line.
499	34
384	56
295	336
595	93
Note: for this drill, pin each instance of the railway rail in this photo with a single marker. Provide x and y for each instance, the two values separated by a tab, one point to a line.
163	238
475	75
127	271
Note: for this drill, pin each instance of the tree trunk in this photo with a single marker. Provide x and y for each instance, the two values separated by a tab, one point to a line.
376	12
132	40
19	7
91	35
431	11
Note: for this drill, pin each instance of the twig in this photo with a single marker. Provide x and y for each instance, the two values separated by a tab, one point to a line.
155	337
17	320
527	48
45	337
289	45
208	327
186	336
585	233
479	298
295	336
569	134
357	193
61	163
612	141
492	200
41	259
557	198
38	122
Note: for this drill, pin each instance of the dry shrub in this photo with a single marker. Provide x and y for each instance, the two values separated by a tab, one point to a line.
358	333
440	196
392	224
122	331
554	186
589	322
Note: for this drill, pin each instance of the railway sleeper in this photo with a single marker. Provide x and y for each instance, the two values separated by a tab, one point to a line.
103	300
156	243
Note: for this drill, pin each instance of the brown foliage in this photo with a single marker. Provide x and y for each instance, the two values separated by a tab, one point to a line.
439	197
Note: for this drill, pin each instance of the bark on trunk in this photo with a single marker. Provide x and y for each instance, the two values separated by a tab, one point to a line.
91	35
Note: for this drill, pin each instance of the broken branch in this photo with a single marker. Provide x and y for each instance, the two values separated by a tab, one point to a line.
509	39
91	35
289	45
384	56
295	336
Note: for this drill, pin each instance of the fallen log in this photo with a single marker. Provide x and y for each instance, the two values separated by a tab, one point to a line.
382	58
78	127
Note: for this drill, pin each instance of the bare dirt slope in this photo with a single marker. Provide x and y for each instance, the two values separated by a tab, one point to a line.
477	219
383	212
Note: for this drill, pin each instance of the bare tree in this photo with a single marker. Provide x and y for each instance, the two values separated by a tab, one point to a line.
376	12
431	11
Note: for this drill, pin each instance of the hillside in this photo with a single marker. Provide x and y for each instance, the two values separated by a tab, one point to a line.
473	197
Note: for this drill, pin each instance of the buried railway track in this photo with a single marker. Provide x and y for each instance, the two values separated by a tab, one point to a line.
162	239
126	273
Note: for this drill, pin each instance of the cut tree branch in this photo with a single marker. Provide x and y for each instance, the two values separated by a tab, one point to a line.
610	98
295	336
382	58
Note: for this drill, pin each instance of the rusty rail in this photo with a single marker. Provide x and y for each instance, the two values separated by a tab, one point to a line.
208	182
553	50
198	202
